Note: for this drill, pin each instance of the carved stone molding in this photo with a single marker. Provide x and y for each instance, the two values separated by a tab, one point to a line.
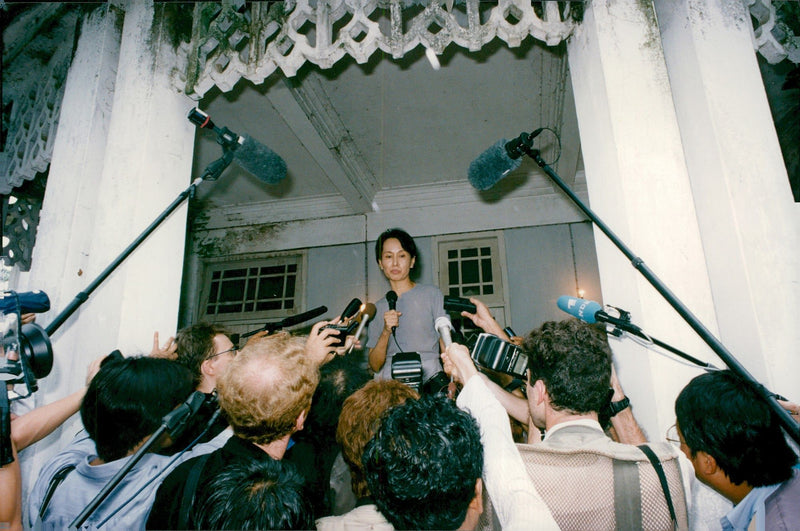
234	40
773	38
33	123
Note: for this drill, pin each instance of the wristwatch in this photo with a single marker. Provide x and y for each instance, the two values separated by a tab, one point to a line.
615	407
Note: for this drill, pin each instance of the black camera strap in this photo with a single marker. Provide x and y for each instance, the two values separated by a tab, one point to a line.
663	478
51	488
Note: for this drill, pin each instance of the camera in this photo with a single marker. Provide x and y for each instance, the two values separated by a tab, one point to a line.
343	330
407	368
493	353
458	304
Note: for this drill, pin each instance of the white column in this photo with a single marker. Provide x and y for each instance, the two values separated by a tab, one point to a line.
123	153
749	224
61	256
639	185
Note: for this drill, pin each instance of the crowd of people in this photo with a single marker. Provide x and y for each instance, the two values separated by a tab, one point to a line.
292	432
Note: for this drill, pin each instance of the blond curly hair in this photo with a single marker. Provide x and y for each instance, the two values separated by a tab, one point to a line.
267	386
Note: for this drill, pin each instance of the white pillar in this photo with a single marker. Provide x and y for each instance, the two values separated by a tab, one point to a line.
749	224
123	153
638	184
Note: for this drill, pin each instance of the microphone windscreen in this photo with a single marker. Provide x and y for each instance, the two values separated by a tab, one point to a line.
351	309
369	311
580	308
260	160
491	166
443	325
391	299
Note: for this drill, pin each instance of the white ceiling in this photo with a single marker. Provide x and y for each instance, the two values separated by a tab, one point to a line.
410	124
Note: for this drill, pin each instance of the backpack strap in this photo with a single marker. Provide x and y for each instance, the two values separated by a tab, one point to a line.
627	495
663	478
51	488
190	490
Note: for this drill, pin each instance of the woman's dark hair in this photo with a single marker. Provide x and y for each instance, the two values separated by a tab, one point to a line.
405	239
723	415
127	399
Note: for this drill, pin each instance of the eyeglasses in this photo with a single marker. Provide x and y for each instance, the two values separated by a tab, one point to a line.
234	350
672	435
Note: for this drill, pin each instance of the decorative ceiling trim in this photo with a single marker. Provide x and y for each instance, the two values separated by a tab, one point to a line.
773	38
235	40
33	123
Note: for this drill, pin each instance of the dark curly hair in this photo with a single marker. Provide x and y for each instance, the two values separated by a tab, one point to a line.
573	360
723	415
423	463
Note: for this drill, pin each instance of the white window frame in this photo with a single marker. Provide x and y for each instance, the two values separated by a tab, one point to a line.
498	303
246	321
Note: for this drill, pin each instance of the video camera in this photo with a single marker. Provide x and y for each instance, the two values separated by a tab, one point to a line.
27	352
491	352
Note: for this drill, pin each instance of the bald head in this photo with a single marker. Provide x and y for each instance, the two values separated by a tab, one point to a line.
266	388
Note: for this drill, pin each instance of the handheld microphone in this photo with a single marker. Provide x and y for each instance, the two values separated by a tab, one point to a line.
443	326
499	160
288	321
29	302
367	313
351	309
251	155
391	300
591	312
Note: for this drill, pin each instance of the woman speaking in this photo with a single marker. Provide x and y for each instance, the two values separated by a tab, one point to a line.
409	313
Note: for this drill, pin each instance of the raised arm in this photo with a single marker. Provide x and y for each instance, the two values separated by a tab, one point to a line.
625	426
39	423
483	319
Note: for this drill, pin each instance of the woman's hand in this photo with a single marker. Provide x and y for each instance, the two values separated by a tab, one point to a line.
391	319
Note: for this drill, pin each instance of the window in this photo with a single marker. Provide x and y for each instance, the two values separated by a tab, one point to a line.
253	290
473	266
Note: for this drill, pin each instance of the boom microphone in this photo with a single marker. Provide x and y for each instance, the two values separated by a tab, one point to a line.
252	156
499	160
584	310
591	312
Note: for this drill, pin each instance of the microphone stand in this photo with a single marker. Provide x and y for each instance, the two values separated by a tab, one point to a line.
623	323
211	173
173	423
791	427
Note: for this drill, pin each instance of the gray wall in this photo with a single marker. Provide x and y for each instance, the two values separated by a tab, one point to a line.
541	269
539	261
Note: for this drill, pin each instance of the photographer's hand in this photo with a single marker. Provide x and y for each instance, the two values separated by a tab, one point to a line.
483	319
319	341
168	351
458	364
